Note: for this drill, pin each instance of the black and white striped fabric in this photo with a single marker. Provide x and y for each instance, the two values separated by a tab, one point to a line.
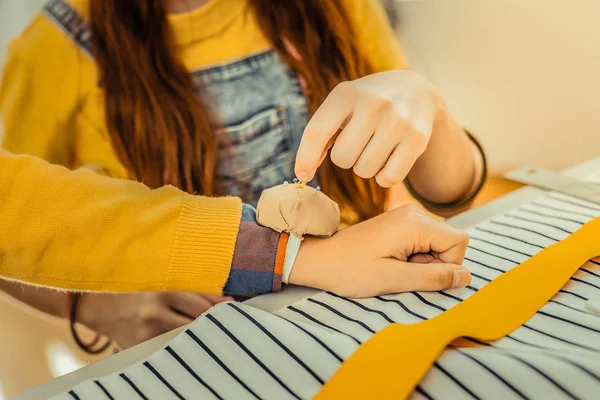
240	352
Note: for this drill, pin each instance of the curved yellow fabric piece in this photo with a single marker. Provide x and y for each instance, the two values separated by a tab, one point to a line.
394	360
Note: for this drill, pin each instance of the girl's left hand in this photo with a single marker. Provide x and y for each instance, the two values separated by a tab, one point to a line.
378	125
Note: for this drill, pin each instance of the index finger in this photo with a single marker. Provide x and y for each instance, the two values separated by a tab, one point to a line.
323	125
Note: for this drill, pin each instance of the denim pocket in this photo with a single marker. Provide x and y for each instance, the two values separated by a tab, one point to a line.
255	154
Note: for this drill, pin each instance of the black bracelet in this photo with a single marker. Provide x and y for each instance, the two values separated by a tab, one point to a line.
460	202
88	348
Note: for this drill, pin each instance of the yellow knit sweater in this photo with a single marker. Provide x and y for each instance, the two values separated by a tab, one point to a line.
81	231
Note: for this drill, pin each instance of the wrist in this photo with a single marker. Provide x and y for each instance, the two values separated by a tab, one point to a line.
87	312
91	347
310	267
60	306
301	274
447	137
477	177
445	171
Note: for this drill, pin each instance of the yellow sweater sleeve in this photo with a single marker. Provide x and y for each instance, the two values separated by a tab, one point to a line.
375	34
79	230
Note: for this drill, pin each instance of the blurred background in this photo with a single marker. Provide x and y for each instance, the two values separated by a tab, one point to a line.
523	75
34	347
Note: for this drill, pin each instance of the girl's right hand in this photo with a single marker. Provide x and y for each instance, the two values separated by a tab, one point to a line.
400	251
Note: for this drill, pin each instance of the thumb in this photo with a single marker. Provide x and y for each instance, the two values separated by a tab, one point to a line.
407	277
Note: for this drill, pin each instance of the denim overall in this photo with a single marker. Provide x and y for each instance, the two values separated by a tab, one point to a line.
263	112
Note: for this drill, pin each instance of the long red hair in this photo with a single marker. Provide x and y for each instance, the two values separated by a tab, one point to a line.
160	127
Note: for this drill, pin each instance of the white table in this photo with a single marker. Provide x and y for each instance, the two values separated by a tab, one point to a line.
275	301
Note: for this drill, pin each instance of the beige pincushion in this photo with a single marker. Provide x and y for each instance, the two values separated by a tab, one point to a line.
298	209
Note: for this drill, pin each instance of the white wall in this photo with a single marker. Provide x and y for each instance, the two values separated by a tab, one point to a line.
523	74
14	16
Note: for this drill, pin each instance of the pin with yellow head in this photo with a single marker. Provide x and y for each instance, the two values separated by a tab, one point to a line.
299	184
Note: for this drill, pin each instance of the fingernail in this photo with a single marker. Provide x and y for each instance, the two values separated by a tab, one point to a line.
462	278
303	176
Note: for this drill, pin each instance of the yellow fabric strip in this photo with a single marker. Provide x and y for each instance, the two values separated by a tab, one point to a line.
394	360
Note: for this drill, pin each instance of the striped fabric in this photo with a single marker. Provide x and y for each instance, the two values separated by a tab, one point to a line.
239	352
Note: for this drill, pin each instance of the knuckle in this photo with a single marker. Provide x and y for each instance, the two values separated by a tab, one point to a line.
363	171
386	103
311	139
390	177
312	133
381	181
387	177
410	211
412	215
419	140
344	87
144	313
398	127
149	316
464	237
399	111
340	157
377	104
442	279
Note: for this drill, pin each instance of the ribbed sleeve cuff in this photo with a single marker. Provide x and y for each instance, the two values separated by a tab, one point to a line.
204	242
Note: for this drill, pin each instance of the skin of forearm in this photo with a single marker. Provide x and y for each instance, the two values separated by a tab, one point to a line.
49	301
447	169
